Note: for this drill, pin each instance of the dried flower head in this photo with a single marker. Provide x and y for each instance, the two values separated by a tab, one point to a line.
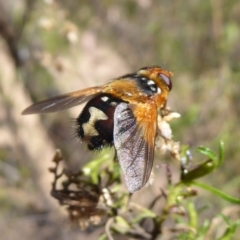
84	200
164	141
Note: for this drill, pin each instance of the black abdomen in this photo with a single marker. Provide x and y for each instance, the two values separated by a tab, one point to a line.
95	123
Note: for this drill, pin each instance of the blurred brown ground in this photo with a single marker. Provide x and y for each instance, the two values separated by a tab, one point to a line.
51	47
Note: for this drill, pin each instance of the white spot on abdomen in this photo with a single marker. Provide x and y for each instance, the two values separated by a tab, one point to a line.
95	115
105	98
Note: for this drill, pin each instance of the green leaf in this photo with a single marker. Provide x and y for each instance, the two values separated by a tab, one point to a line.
205	167
216	192
203	229
231	228
221	153
209	153
121	225
198	170
146	213
193	216
93	168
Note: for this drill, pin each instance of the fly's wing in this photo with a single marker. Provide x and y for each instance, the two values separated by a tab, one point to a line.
134	139
62	102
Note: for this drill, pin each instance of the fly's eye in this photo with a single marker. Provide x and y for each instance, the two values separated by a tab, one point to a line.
167	80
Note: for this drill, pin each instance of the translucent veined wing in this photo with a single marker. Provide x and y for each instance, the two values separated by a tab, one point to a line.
62	102
134	140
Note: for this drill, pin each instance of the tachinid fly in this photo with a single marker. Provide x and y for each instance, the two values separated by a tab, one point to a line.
122	114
